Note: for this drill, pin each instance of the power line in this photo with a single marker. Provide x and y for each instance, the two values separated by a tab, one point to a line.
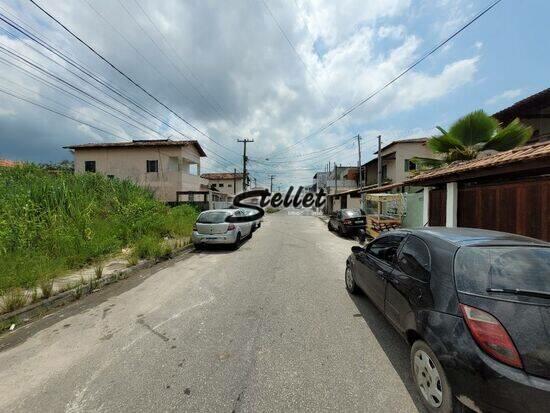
396	78
81	68
130	79
294	50
175	53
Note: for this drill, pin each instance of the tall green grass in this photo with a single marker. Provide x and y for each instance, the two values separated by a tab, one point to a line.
51	222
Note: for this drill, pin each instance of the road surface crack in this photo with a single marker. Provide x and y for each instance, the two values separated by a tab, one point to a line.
152	330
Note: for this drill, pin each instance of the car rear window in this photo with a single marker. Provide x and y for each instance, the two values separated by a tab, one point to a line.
212	217
479	268
351	213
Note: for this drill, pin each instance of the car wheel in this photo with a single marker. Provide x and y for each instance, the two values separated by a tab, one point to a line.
329	226
340	230
350	281
431	381
198	246
237	241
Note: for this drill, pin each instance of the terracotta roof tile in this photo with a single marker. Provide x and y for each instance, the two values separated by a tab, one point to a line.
7	163
524	153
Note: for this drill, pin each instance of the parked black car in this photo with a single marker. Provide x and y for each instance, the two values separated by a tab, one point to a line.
475	307
347	221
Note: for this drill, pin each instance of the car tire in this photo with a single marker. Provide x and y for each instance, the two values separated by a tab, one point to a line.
198	246
351	286
237	241
340	230
329	226
430	380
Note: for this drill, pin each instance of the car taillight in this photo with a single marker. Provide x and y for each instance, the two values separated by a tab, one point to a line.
347	221
491	336
195	227
230	227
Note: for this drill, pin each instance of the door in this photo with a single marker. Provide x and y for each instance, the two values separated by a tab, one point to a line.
375	265
438	207
408	285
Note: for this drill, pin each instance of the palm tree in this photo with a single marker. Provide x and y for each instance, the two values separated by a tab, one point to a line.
474	133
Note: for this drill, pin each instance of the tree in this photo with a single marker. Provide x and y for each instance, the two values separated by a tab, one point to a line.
474	133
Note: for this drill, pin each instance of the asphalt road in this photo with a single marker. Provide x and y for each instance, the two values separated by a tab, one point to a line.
269	327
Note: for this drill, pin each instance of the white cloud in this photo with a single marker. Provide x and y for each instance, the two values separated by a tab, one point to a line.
504	97
394	32
251	82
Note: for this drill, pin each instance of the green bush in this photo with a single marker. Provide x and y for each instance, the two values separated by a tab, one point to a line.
55	221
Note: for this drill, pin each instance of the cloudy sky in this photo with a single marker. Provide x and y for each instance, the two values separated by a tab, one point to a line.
273	71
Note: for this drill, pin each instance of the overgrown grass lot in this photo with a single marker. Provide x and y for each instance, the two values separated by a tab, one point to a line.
52	222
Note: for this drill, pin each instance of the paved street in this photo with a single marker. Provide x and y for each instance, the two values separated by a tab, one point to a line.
269	327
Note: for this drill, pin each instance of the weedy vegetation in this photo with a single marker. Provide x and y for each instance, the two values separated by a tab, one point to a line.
52	222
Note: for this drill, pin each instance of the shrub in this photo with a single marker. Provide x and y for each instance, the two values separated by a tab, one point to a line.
55	221
98	270
13	299
46	285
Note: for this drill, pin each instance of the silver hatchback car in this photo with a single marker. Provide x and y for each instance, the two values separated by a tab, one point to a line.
214	227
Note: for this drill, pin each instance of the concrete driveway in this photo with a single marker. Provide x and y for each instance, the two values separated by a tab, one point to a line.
269	327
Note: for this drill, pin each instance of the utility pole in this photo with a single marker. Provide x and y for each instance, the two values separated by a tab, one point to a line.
379	160
360	169
245	159
335	178
255	184
234	181
271	185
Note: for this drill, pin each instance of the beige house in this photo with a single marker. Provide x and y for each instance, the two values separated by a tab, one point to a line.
225	182
533	111
169	168
396	161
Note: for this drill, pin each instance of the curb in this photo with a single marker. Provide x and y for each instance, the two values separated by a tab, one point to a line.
65	297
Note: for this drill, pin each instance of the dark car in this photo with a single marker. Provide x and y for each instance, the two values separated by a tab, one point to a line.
475	307
347	221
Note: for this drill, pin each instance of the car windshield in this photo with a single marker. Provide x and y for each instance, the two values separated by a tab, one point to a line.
524	268
352	213
212	217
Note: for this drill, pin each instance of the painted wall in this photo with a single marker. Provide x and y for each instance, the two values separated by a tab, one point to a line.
413	218
176	166
396	167
227	187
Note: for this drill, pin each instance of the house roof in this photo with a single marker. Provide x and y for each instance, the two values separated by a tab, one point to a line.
222	175
534	102
539	151
372	189
139	144
6	163
412	140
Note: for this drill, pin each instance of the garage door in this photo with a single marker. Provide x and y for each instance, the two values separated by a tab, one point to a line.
518	207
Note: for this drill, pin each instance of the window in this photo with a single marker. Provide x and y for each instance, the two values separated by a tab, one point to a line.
111	176
220	185
153	166
213	185
212	217
409	165
385	248
384	172
414	259
524	268
89	166
229	185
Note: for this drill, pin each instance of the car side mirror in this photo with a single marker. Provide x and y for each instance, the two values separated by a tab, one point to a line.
356	249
